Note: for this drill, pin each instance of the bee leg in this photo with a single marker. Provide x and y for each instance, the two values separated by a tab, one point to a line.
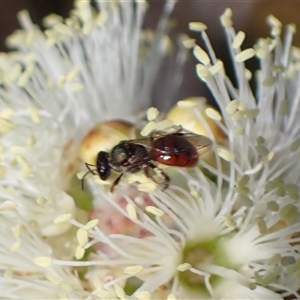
112	188
166	178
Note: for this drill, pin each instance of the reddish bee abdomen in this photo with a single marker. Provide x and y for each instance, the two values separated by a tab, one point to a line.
173	150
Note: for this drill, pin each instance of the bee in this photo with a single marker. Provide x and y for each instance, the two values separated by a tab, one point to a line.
177	149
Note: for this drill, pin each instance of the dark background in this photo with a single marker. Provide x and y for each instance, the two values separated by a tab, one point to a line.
248	16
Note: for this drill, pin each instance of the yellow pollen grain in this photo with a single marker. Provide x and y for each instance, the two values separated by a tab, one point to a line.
79	252
155	211
91	224
43	261
152	113
55	279
34	114
62	218
226	18
132	270
213	114
82	237
148	128
143	295
130	208
197	26
238	40
7	205
225	154
245	55
15	246
201	55
184	267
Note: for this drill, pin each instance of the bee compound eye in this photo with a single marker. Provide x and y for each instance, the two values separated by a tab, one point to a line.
103	167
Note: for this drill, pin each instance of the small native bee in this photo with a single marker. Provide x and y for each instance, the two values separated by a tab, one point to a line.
130	156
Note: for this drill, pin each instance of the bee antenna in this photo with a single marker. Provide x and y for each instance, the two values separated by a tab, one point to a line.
89	171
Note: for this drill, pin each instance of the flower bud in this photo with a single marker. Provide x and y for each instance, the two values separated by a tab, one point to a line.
103	137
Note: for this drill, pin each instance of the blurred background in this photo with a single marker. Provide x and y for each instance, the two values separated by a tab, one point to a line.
248	16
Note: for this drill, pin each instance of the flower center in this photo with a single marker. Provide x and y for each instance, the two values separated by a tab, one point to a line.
199	255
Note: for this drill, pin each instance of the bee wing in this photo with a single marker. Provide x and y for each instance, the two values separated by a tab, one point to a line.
200	142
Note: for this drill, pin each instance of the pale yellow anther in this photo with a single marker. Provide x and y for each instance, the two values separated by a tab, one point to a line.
132	270
15	246
147	187
201	55
91	224
101	18
7	205
43	261
152	113
148	128
184	267
238	40
225	154
79	252
16	230
197	26
8	273
62	218
34	114
82	237
55	279
245	55
155	211
130	208
213	114
6	113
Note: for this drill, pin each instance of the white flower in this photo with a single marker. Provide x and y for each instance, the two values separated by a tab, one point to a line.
223	230
96	65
